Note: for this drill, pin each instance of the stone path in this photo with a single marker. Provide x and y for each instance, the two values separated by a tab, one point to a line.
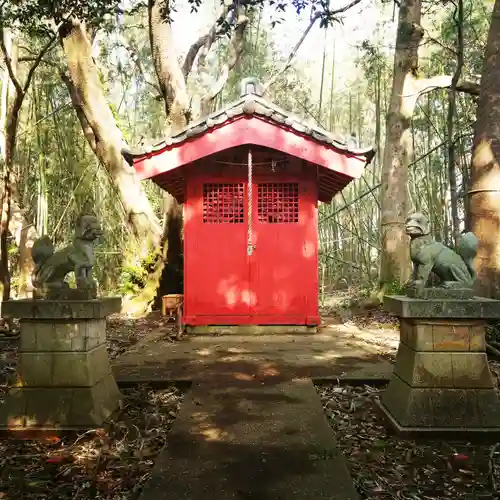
340	352
257	439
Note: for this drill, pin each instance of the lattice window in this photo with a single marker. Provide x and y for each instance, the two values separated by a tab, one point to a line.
223	203
278	202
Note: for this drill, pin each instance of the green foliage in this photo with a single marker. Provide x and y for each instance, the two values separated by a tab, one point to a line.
493	331
134	276
393	288
132	280
34	16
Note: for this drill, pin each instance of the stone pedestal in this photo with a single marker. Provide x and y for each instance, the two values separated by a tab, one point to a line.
64	379
442	381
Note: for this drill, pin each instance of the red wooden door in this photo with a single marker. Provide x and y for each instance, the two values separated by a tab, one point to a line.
283	271
277	283
217	272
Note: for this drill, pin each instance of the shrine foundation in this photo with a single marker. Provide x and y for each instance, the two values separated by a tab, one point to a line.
63	378
442	383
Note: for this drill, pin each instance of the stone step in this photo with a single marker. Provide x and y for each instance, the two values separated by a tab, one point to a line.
251	330
251	440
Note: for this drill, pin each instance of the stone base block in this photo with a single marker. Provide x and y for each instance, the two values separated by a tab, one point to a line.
72	408
441	407
441	293
440	335
61	335
458	370
476	308
63	369
476	434
61	309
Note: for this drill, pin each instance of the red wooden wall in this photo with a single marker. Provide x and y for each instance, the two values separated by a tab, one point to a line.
278	283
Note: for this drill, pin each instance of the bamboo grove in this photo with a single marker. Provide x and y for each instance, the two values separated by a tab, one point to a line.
56	172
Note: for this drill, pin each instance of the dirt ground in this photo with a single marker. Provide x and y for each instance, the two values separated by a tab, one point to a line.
114	464
385	467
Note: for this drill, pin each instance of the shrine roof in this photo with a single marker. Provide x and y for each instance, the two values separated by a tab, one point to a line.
251	120
248	105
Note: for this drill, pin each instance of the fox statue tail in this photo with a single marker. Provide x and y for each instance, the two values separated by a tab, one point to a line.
42	249
467	249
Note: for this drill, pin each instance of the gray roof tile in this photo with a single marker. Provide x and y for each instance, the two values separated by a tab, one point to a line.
251	104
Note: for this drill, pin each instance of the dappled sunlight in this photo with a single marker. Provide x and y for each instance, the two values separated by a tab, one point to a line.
243	376
48	462
234	294
189	212
309	249
205	352
230	359
483	155
211	433
237	350
327	355
268	370
484	217
248	297
18	422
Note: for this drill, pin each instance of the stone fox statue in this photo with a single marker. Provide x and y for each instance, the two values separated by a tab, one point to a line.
454	269
51	267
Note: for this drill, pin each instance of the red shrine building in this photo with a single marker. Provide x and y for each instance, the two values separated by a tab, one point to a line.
249	177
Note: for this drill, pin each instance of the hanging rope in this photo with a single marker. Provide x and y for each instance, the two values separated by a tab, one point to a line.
250	196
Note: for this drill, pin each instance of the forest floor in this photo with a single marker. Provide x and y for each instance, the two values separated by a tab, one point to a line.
114	464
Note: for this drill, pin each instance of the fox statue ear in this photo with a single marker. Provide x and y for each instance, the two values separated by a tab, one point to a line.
426	227
79	229
82	223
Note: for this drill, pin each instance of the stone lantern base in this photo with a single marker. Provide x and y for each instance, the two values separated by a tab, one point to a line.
442	382
64	379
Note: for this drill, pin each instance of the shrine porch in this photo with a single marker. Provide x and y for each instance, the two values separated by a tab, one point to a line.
343	352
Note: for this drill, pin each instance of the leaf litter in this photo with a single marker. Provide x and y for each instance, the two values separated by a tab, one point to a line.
102	464
113	464
385	467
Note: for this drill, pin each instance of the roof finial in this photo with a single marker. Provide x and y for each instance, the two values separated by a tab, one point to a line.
251	85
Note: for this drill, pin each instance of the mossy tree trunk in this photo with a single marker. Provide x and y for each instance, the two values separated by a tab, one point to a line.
484	192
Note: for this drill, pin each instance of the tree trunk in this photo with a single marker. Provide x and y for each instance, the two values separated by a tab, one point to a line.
12	219
102	133
10	145
168	70
452	106
395	261
484	201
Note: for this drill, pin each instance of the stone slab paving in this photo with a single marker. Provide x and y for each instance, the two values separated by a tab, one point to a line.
339	352
263	439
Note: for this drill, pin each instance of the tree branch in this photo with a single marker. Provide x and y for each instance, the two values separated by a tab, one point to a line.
458	17
236	50
22	89
37	62
192	53
331	15
445	81
206	41
413	88
33	58
80	113
343	9
8	63
136	60
292	53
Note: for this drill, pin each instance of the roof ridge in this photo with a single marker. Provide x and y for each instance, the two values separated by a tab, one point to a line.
251	104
